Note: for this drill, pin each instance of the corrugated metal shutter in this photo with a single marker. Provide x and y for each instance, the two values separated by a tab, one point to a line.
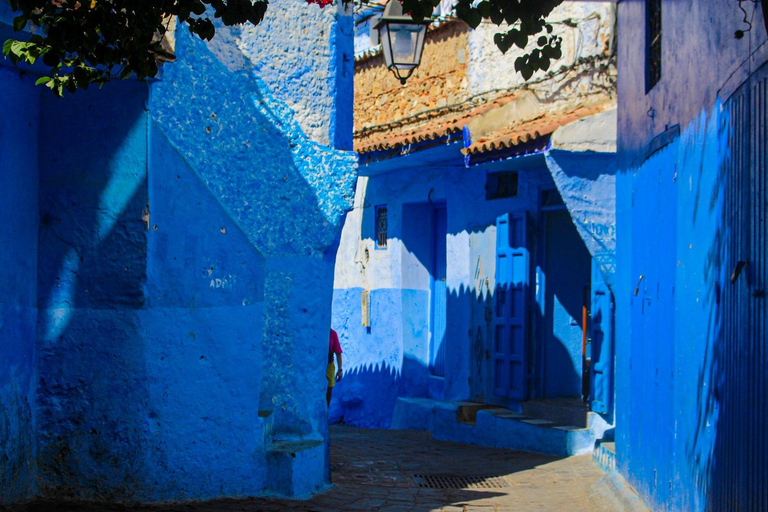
740	476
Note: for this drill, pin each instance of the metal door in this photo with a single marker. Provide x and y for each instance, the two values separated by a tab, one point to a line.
439	294
741	358
511	307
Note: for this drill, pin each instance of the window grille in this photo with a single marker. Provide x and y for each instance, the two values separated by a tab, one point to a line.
381	227
653	46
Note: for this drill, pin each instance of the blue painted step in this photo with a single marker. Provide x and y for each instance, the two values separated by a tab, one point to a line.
472	423
296	467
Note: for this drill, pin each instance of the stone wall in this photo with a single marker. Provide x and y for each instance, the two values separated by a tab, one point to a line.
441	80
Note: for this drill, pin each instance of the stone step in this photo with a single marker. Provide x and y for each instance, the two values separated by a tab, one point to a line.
467	411
296	467
480	424
605	456
562	411
267	425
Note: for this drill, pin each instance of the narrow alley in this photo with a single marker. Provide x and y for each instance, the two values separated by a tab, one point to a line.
394	470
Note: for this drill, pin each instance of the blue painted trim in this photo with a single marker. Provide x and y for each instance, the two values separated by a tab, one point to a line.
378	156
533	147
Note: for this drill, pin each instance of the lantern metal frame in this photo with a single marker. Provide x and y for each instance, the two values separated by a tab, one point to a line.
393	15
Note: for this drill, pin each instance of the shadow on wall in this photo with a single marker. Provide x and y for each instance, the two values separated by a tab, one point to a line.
691	420
152	283
392	358
287	194
732	385
92	396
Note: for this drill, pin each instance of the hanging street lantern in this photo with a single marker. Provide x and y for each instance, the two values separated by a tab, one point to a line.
402	40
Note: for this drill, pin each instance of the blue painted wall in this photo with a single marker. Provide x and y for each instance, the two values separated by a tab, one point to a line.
179	229
566	273
19	107
666	332
390	358
92	270
685	438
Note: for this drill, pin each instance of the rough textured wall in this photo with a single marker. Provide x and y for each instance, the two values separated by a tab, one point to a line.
19	108
462	68
173	268
440	80
582	161
586	29
93	402
691	29
287	194
300	51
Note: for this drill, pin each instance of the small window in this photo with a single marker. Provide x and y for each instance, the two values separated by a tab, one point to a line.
381	227
653	43
500	184
551	199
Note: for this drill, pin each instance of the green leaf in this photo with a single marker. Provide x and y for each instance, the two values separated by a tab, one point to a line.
43	80
521	40
19	22
484	8
7	47
526	71
503	42
473	18
198	8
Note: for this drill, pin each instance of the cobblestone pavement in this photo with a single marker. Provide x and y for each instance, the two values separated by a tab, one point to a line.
373	471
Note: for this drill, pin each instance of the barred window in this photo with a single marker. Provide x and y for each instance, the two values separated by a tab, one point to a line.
381	227
653	43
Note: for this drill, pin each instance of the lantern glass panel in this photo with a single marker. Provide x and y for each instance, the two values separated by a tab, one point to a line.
402	44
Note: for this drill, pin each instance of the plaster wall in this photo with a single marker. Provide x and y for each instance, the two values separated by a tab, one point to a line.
585	27
681	438
391	358
587	183
19	108
698	46
314	56
667	332
178	234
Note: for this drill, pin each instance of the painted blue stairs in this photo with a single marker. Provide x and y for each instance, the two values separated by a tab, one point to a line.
480	424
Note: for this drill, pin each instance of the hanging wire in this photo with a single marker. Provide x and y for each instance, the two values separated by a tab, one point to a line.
740	33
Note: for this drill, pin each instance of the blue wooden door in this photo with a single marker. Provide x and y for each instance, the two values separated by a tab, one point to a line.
511	307
439	294
601	353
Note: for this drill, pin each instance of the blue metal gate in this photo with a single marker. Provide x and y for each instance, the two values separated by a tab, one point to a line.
740	459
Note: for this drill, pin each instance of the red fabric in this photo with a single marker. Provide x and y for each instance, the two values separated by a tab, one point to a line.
335	346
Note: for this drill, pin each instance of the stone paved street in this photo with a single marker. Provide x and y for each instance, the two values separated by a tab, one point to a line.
373	471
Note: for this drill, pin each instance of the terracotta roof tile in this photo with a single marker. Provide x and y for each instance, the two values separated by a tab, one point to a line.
422	128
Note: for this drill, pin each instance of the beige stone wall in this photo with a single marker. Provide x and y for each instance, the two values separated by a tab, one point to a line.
441	80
